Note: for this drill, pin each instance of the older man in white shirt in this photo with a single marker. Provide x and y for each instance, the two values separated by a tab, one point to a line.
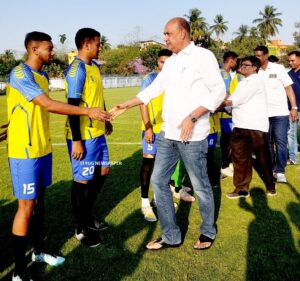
278	87
193	87
250	133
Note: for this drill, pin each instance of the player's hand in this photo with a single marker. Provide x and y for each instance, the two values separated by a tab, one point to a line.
77	150
186	127
149	135
108	128
117	110
294	115
98	114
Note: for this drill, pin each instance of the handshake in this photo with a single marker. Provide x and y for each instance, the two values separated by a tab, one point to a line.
98	114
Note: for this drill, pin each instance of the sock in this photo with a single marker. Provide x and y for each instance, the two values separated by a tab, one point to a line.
78	194
145	202
19	245
94	188
145	175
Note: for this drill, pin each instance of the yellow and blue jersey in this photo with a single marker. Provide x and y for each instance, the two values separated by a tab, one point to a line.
83	81
234	82
214	121
28	131
154	106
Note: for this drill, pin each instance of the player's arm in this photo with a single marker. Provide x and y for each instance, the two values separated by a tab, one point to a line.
291	96
149	136
58	107
74	121
108	125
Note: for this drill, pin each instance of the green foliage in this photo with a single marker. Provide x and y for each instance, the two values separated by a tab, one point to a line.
7	62
56	68
296	34
149	56
62	38
105	45
244	46
117	61
198	25
269	21
219	26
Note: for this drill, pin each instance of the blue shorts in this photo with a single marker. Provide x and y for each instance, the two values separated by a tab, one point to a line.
226	125
95	155
212	140
149	148
29	175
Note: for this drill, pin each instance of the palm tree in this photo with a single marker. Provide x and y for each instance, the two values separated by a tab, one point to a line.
197	24
253	32
7	55
104	43
242	31
219	27
62	38
269	21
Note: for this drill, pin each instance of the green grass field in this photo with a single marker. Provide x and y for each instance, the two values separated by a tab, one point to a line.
258	238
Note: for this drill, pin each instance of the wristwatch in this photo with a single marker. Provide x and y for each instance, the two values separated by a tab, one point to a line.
294	107
193	118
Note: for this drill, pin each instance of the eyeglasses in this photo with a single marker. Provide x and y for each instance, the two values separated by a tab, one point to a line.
245	65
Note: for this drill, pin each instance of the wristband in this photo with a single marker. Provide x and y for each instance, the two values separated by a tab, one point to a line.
294	107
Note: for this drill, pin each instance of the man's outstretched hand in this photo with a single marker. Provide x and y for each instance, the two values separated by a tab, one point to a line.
117	110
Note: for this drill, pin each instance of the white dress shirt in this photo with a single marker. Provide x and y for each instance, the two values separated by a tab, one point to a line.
189	79
276	79
249	104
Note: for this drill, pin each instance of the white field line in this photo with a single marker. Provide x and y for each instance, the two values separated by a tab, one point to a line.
113	143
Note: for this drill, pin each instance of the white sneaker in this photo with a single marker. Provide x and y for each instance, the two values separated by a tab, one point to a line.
281	177
24	276
48	258
148	214
227	172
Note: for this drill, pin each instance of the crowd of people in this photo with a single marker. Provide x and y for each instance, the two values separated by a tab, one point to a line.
252	102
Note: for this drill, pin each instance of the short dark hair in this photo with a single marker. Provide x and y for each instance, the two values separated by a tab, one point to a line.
262	48
85	34
296	53
36	36
164	53
273	58
229	54
254	61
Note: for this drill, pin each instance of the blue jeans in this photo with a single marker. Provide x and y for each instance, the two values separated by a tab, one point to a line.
193	155
292	141
278	137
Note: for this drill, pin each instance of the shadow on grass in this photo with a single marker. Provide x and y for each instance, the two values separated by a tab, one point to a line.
293	209
7	211
271	254
122	180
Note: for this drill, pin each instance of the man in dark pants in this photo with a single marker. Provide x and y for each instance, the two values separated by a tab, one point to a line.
250	134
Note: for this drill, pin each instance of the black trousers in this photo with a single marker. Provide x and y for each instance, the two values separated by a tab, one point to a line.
244	143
